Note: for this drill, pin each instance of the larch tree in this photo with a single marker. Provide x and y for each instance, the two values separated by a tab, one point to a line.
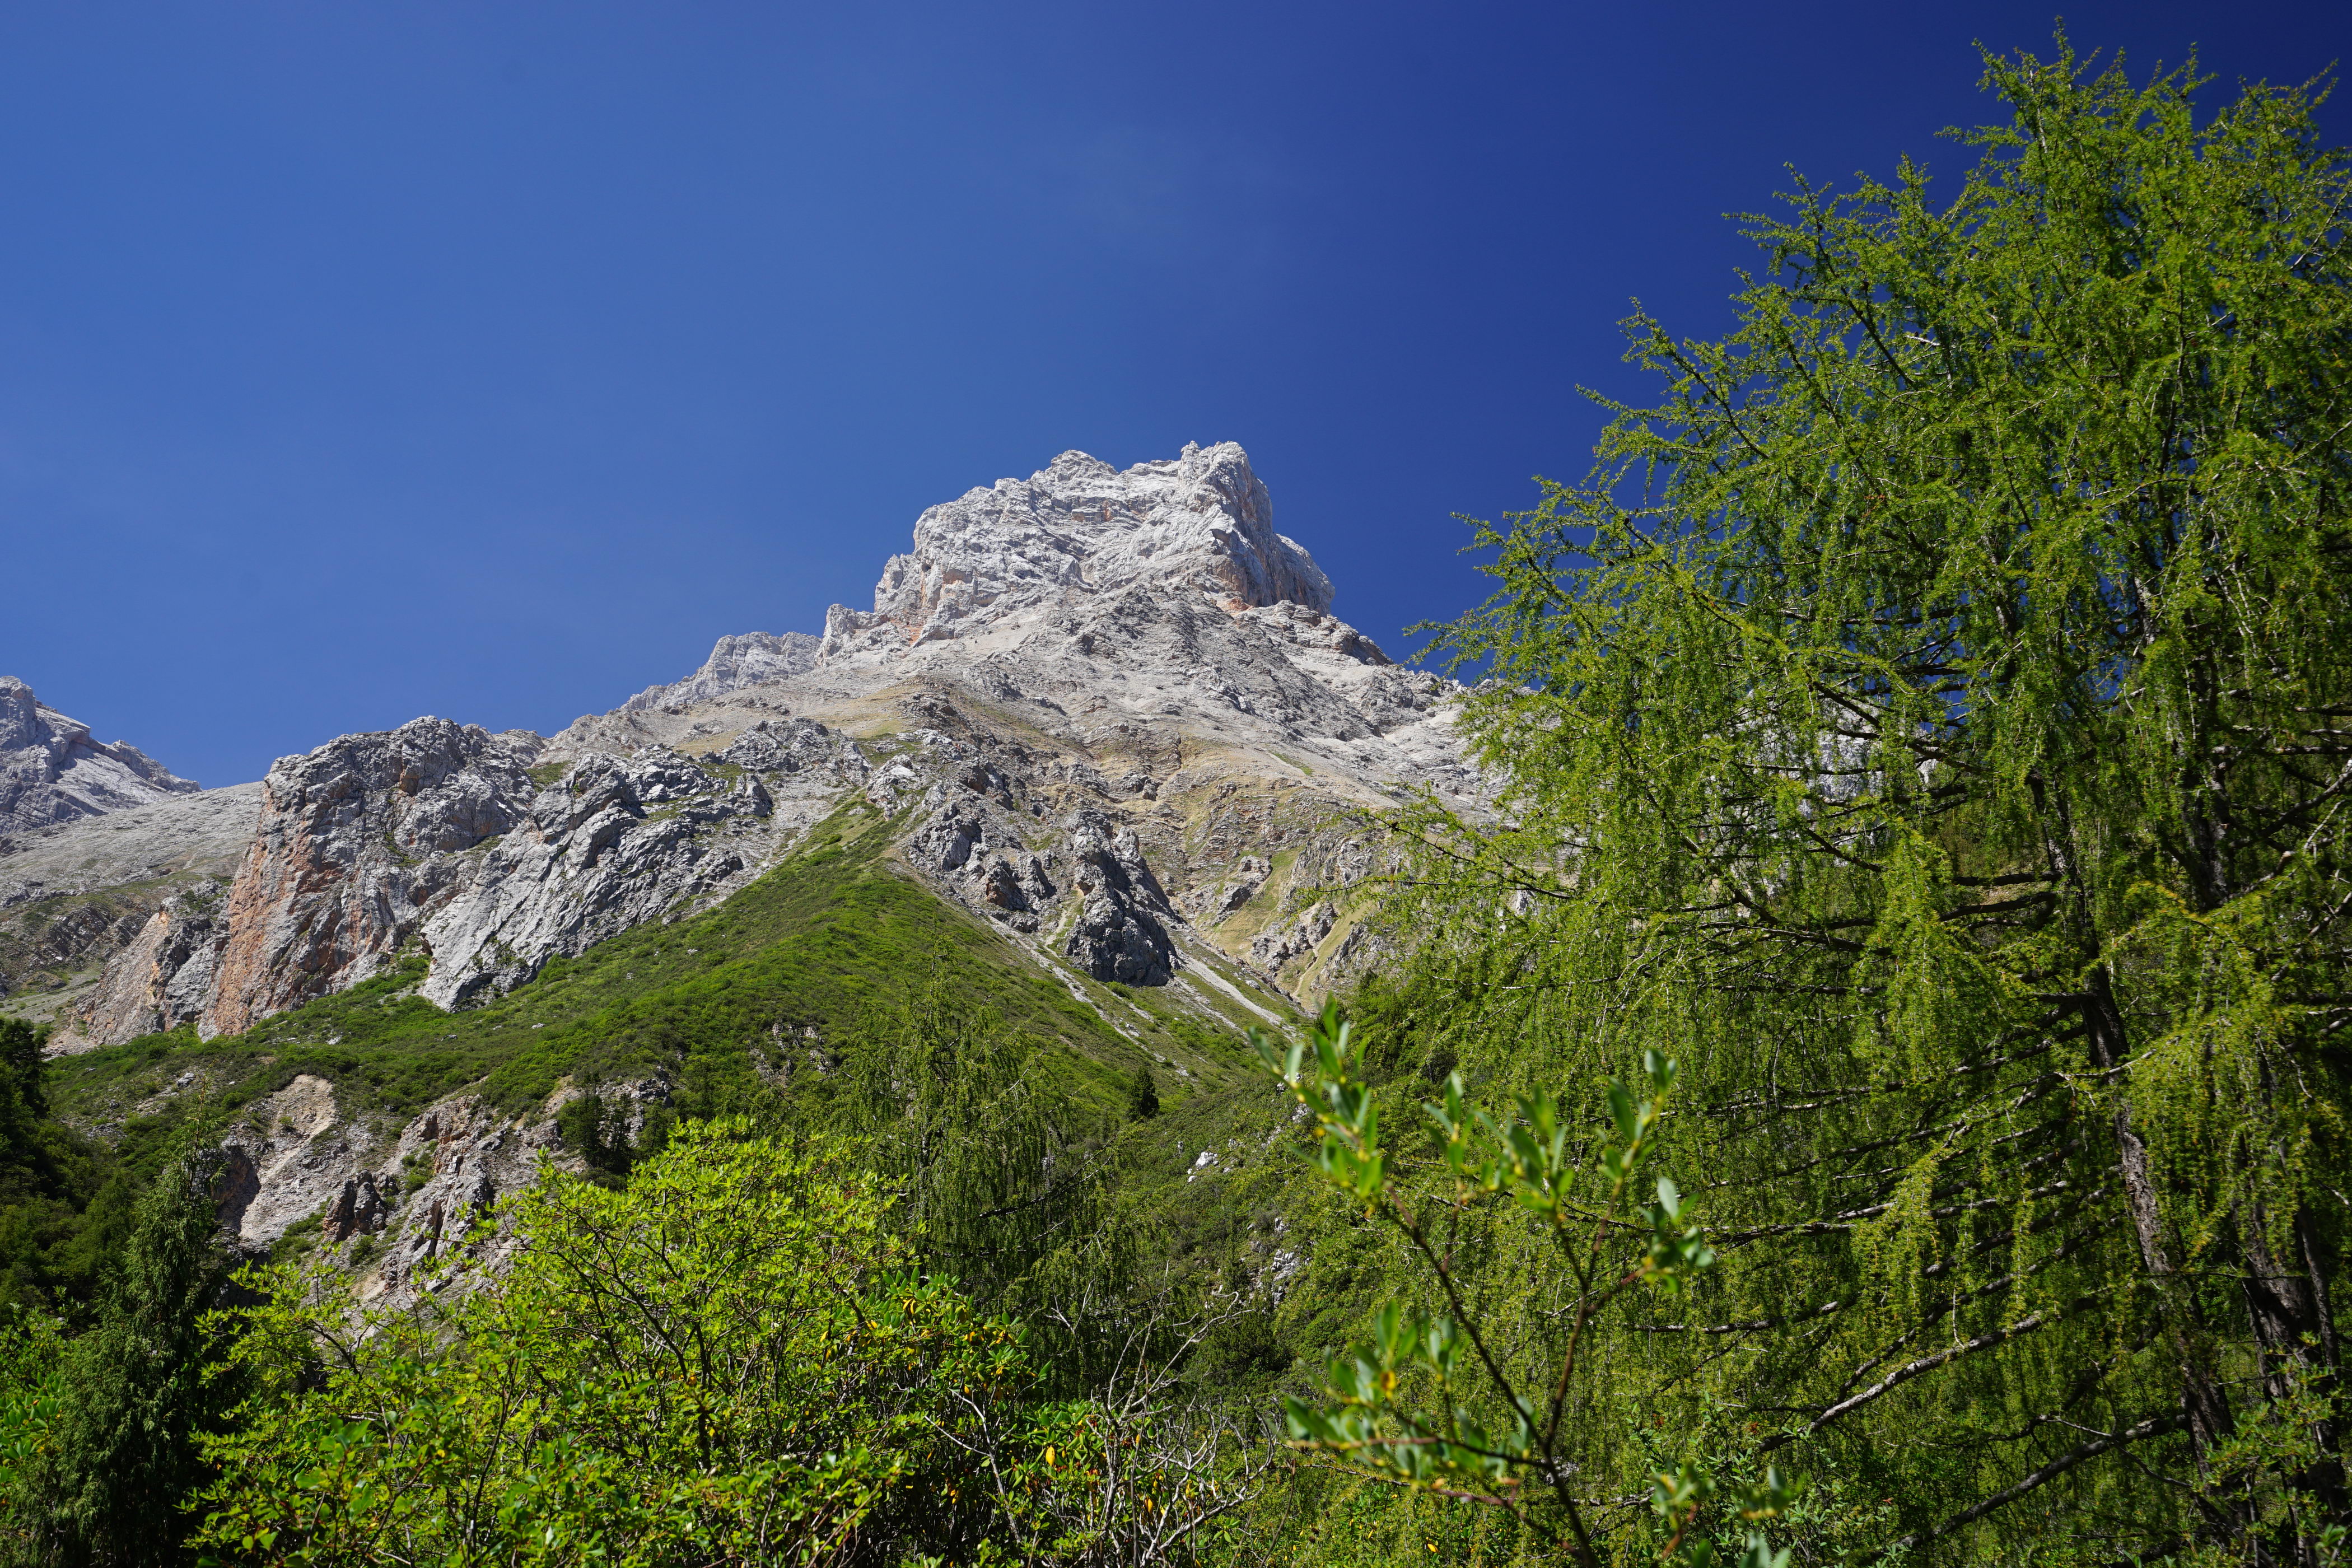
1931	723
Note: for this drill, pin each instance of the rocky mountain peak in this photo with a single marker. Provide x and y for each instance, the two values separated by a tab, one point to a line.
52	770
1106	712
1079	529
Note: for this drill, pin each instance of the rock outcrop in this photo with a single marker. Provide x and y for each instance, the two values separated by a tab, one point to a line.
53	770
1121	930
1078	530
75	894
393	1198
358	843
165	977
457	845
738	661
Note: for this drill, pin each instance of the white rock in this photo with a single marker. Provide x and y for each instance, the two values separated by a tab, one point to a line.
1079	529
745	660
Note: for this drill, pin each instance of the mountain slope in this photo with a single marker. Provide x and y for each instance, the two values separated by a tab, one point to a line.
52	770
1098	763
94	838
735	662
371	1116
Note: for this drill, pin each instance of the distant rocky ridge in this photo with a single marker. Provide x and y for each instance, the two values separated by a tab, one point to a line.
453	843
93	838
1108	712
52	771
1095	652
737	662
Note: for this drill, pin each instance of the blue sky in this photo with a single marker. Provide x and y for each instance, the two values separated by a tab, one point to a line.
364	360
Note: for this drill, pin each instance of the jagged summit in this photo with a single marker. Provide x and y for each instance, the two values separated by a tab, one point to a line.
1076	530
52	771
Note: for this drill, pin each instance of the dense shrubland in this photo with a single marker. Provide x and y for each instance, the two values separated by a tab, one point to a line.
1873	1089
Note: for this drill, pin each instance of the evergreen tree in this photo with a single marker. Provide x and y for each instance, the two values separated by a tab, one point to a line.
992	1172
1931	722
23	1097
135	1395
1001	1182
49	1248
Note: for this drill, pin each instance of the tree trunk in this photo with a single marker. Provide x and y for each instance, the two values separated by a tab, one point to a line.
2201	1400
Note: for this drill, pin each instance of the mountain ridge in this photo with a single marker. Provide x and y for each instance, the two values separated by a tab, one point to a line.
1101	735
53	770
1109	712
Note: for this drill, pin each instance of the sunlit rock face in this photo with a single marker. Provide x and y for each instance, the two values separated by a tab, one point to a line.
746	659
53	770
1122	721
1076	530
449	843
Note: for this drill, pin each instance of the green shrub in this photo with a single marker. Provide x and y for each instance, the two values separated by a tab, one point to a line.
726	1360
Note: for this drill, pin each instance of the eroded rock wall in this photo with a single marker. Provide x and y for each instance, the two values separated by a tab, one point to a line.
394	1199
1202	523
460	845
745	660
358	842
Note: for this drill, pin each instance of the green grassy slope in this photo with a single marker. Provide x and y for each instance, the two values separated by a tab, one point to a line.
719	1001
837	939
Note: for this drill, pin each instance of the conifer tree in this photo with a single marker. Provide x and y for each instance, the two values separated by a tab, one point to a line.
136	1396
1931	723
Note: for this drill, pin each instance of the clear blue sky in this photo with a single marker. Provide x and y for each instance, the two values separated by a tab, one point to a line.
365	360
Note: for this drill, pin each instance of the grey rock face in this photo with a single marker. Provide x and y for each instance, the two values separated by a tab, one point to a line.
437	839
1118	934
393	1199
359	842
52	771
798	746
1273	949
74	894
617	841
200	835
358	1210
1080	528
746	659
1140	643
165	977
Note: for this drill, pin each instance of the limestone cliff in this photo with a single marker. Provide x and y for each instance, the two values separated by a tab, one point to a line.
93	838
1079	529
448	841
1095	657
